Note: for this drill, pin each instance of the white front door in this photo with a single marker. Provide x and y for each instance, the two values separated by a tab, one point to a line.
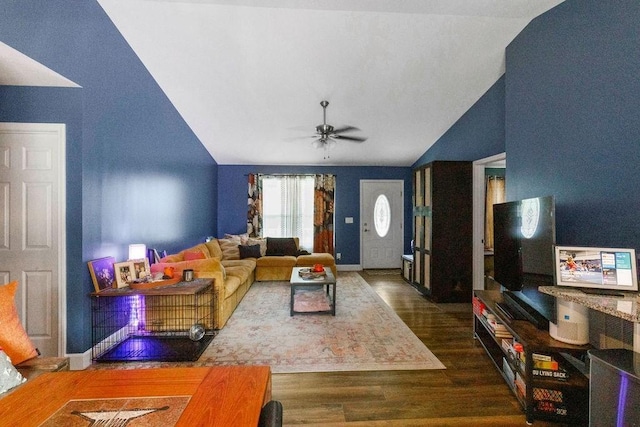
382	223
32	243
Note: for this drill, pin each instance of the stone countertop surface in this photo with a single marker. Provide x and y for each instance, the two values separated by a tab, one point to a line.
626	307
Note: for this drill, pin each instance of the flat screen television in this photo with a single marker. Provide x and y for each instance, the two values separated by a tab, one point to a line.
524	238
596	270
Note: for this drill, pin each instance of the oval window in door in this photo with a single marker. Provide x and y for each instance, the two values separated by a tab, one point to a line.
382	215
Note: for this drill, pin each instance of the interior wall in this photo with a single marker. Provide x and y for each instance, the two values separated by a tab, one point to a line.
135	171
232	214
572	124
478	134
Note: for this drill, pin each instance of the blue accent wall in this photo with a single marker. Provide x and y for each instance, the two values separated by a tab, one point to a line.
136	173
572	119
232	214
569	114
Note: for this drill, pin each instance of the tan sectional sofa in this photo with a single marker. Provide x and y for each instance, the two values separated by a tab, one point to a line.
219	259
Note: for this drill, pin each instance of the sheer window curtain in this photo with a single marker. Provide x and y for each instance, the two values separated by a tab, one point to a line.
495	193
306	209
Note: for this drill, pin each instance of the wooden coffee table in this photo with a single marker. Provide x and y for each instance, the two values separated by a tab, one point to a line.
214	396
328	281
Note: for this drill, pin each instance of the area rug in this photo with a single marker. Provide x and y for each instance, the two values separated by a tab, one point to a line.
365	334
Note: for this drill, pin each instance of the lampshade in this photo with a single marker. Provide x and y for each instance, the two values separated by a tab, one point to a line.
137	251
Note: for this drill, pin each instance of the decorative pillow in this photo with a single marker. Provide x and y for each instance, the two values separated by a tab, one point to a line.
229	249
240	239
9	375
214	249
280	246
191	255
13	338
249	251
258	241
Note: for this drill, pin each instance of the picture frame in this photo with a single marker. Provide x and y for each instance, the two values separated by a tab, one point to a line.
141	268
102	273
125	273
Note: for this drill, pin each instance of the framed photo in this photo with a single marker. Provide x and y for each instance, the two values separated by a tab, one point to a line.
125	273
102	273
141	268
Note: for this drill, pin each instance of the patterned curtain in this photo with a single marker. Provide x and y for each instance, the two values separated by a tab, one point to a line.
323	213
254	202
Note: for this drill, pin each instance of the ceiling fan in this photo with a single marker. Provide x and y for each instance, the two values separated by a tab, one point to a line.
326	135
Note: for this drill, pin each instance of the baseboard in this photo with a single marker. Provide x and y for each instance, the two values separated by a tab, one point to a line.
79	361
349	267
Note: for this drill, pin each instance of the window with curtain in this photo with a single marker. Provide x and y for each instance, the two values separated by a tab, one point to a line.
293	206
288	208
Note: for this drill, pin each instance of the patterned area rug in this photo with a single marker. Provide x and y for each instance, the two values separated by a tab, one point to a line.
365	334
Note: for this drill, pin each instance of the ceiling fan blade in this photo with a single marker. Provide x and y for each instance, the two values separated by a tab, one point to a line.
346	129
300	138
350	138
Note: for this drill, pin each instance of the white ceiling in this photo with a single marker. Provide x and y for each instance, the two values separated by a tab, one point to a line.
17	69
248	75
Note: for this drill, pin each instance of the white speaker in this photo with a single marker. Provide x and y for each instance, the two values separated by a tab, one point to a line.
573	323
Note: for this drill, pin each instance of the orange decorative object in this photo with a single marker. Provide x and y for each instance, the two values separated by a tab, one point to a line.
318	268
168	271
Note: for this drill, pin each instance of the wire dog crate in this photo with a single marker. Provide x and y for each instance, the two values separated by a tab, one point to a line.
169	323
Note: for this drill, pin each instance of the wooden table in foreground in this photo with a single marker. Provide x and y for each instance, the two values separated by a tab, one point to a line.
214	396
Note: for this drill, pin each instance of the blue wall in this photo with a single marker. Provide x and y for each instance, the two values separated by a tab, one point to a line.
573	122
232	214
135	171
568	104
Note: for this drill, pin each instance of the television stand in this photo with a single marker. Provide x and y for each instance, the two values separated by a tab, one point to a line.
509	313
559	393
607	292
525	311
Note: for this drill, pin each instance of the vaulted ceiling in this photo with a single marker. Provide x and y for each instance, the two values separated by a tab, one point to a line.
248	75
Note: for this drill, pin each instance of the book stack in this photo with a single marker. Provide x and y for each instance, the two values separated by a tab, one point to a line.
496	327
478	307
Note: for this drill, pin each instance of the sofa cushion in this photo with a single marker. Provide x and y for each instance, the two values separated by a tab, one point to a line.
259	241
240	239
214	249
13	338
241	272
315	258
249	251
231	284
276	261
279	246
229	249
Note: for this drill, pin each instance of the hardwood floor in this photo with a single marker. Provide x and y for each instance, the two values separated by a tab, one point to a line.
470	392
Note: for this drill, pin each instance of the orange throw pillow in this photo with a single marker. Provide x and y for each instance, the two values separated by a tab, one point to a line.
13	338
191	255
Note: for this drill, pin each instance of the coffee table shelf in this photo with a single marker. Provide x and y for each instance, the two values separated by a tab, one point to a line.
328	282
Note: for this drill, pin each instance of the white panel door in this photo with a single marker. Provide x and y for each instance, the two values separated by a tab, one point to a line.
32	220
382	223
